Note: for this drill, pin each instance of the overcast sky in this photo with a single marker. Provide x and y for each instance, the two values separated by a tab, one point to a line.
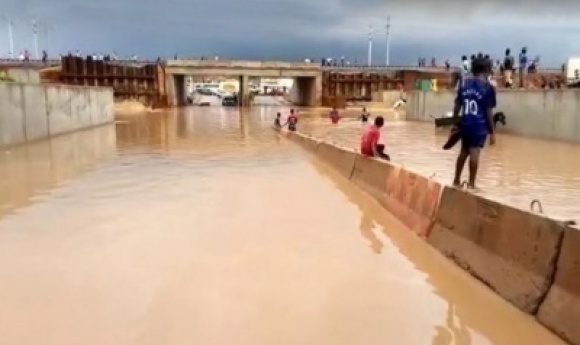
294	29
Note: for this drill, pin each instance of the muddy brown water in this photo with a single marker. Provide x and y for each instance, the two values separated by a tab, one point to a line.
515	171
203	226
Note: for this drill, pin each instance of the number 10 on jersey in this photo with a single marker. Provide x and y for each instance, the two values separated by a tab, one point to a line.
470	107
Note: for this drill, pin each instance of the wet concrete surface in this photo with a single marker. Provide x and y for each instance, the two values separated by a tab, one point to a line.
515	171
203	226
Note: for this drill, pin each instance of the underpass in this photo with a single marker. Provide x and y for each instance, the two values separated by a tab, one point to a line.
203	225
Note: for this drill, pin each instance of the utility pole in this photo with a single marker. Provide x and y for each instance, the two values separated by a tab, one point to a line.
10	35
370	56
35	33
45	30
388	52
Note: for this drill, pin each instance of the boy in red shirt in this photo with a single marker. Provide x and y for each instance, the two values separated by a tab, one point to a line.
370	140
292	121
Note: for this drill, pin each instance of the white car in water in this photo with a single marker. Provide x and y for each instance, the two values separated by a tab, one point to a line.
221	93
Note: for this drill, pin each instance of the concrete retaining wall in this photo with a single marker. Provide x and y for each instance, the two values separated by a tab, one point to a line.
24	75
389	97
529	260
33	111
549	114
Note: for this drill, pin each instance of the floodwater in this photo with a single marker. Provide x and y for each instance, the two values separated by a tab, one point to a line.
515	171
203	226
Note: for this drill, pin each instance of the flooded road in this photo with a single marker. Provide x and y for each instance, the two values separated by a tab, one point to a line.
515	171
205	227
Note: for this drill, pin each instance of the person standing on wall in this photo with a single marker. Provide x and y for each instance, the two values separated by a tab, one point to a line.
475	102
508	68
523	64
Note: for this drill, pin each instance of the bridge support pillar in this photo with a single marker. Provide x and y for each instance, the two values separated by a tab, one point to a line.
244	94
176	91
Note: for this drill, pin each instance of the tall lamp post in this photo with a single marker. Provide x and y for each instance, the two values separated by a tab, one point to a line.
10	23
388	32
370	53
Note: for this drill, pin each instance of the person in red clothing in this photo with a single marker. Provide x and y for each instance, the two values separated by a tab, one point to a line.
292	121
370	140
334	117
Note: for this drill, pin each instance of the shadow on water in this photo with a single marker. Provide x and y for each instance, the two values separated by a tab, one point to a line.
470	305
29	171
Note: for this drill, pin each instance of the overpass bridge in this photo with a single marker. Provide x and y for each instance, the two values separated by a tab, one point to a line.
308	76
161	83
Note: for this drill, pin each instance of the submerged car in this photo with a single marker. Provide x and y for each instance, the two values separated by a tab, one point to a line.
230	101
205	92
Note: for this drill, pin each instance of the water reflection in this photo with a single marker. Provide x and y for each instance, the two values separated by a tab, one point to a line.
27	172
453	332
205	220
470	313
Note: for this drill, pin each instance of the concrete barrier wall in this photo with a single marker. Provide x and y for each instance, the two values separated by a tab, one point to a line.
341	159
528	259
549	114
413	199
560	311
34	111
408	196
512	251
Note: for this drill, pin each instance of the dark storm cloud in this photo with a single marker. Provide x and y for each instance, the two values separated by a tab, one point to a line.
293	29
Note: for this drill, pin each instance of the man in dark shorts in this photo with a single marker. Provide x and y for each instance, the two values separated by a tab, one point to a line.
475	101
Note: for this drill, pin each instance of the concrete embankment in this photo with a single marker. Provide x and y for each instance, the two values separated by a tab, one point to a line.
526	258
21	75
549	114
33	111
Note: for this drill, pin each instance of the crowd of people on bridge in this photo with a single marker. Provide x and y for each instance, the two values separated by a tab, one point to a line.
25	56
507	69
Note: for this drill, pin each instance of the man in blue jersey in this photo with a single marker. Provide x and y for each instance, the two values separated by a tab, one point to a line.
475	102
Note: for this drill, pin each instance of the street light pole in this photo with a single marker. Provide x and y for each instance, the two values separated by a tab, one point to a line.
35	33
370	53
388	52
10	35
45	30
